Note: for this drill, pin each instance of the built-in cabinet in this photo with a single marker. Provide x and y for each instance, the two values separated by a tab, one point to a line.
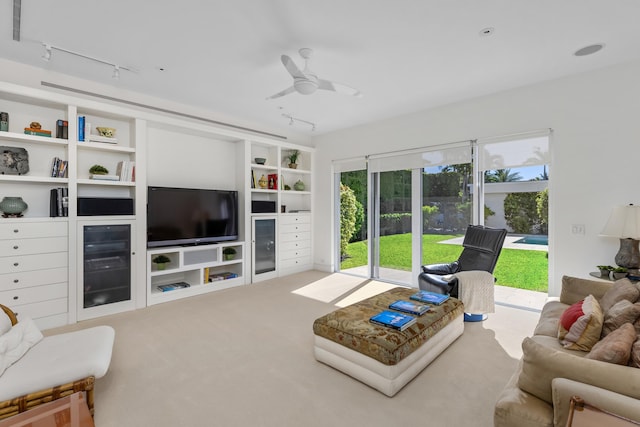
64	264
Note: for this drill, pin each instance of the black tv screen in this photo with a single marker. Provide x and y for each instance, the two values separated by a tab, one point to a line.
189	216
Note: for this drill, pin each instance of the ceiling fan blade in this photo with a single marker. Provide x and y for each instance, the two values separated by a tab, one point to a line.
287	91
338	87
291	67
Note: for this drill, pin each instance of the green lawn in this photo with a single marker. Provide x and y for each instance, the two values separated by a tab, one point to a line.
516	268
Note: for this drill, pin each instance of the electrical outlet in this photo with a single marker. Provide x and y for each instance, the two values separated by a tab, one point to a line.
577	229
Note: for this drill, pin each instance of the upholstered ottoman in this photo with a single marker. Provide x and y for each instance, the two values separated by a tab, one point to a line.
381	357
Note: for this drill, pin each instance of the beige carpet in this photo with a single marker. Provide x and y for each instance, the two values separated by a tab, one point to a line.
244	357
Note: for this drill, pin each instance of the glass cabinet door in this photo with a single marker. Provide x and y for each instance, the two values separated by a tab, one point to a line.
107	264
264	247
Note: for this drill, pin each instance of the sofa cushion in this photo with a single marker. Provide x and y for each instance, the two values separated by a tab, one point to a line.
549	318
634	360
616	346
15	343
580	325
540	365
575	289
622	289
622	312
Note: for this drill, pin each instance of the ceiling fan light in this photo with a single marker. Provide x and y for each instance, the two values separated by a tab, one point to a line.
305	87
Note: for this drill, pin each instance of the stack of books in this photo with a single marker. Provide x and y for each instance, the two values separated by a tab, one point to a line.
62	129
222	276
59	168
173	286
100	138
37	132
126	171
59	202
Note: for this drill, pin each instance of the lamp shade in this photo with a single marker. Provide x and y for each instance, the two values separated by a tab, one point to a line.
624	223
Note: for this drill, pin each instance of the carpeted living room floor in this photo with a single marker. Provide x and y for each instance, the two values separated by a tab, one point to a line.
244	357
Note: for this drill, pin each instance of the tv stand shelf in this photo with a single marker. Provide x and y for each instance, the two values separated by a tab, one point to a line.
204	268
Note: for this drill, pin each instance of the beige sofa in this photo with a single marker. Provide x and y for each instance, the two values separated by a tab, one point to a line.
548	375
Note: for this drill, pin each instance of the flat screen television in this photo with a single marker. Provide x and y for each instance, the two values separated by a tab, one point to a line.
190	216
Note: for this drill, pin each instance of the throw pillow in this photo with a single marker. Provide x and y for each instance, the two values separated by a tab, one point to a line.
15	343
541	364
580	325
621	289
615	347
622	312
634	360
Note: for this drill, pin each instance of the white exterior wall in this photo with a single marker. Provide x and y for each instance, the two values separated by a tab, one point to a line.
495	193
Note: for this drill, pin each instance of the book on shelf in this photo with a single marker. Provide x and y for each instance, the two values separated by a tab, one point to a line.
104	177
81	120
409	307
59	168
253	179
393	320
272	180
59	202
37	132
100	138
126	171
173	286
205	278
62	129
429	297
222	276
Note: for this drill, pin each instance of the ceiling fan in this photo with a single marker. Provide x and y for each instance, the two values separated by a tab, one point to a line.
306	81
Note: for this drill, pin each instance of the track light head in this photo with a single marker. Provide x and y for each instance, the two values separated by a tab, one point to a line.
47	52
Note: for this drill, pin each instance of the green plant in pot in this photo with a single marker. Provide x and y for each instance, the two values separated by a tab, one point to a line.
229	253
619	273
98	170
293	158
161	261
604	270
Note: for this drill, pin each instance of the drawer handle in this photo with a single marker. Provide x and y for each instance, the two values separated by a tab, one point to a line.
16	297
15	264
15	230
15	247
16	280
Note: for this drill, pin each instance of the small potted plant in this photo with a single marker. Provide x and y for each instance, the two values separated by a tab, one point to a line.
293	158
619	273
229	253
605	270
161	261
98	170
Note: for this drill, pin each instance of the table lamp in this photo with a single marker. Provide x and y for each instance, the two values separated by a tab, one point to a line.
624	223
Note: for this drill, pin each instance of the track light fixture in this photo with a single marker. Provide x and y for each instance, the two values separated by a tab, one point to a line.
48	48
47	53
292	120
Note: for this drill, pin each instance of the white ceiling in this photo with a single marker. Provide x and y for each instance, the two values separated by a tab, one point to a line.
404	55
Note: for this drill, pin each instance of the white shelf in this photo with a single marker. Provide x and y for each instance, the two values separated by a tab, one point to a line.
13	136
34	179
103	146
106	182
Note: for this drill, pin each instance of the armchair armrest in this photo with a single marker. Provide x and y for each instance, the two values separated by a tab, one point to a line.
563	389
440	269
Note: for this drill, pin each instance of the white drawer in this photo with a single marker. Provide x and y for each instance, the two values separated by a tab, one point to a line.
292	237
298	253
295	219
18	297
292	246
296	262
41	309
33	262
30	230
33	246
26	279
294	228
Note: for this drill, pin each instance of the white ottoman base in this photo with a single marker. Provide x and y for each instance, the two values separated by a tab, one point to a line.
385	378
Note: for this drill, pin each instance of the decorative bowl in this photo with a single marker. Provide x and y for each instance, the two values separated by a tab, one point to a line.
260	160
107	132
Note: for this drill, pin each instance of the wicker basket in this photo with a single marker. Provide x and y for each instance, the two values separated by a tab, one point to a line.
20	404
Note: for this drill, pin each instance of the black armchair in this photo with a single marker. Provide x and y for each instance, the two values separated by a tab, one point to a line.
482	246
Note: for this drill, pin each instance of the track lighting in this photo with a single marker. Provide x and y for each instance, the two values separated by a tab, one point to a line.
47	53
295	119
116	68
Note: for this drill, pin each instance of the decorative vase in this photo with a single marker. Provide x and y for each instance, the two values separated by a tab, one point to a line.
13	206
299	186
262	182
161	265
293	165
228	257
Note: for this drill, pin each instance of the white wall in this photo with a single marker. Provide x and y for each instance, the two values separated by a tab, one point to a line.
595	149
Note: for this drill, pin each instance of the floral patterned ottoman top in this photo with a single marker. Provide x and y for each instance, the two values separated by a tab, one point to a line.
350	326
